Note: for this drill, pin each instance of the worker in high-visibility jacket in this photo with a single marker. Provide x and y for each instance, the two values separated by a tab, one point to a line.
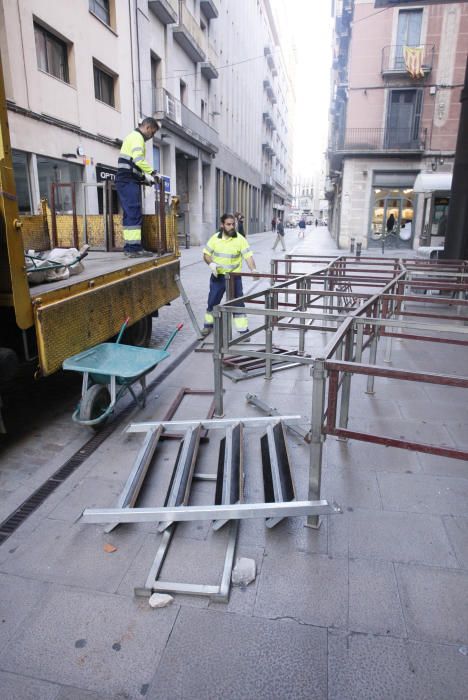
134	171
223	254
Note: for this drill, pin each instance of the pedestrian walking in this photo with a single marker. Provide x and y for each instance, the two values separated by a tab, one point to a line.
134	171
302	228
316	223
273	224
279	235
224	253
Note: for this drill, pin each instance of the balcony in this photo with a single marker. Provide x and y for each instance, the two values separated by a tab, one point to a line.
393	62
165	10
198	129
208	67
270	60
267	181
166	106
357	141
189	36
269	91
178	119
209	9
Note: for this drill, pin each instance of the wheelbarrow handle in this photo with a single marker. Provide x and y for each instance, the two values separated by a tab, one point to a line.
124	325
173	335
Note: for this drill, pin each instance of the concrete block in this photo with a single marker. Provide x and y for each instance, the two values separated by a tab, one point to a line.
434	603
160	600
241	657
374	603
421	493
404	537
243	572
102	643
311	588
367	666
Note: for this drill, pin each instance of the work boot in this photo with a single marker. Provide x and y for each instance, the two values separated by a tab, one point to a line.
206	331
139	254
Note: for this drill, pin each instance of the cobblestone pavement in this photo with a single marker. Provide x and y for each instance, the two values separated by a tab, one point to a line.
372	605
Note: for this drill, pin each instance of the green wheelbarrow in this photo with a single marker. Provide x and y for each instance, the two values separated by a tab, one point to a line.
110	370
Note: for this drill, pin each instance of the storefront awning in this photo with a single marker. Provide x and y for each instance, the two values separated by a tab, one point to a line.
433	182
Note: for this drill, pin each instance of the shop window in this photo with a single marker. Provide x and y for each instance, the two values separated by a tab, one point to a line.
52	53
392	214
23	188
440	216
101	9
103	86
50	171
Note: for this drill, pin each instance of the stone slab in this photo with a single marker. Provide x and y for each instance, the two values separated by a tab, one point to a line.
366	667
240	657
351	487
15	686
364	455
310	588
421	493
457	529
374	603
442	466
106	644
403	537
434	603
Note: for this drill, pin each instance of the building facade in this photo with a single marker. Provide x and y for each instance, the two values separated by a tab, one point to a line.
396	82
80	76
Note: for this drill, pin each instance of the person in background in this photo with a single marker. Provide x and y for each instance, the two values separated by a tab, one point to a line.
273	224
134	171
240	223
302	227
316	223
390	223
279	235
223	254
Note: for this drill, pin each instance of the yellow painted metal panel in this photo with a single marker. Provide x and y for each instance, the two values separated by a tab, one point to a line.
70	325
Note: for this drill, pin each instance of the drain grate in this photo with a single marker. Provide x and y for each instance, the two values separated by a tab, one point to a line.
17	518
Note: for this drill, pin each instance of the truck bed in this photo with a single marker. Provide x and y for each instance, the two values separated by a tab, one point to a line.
95	265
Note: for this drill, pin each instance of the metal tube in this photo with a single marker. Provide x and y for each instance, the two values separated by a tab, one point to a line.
316	437
268	336
218	364
372	360
188	307
239	511
209	424
346	384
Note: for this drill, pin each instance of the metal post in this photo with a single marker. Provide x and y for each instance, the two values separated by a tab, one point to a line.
188	307
372	359
268	336
272	272
316	437
302	321
218	363
227	330
352	243
346	383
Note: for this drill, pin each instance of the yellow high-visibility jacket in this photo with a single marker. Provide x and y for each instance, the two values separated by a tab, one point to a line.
132	158
228	253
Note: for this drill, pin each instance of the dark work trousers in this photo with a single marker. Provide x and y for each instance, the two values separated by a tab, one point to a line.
218	287
129	193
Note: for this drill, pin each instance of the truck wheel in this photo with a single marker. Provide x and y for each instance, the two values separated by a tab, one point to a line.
139	334
94	403
8	364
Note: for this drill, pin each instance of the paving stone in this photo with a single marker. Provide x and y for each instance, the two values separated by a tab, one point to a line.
19	597
415	431
374	603
442	411
434	603
457	529
18	687
101	643
420	493
70	693
366	667
404	537
442	466
242	598
89	492
310	588
71	554
351	487
363	455
240	657
459	434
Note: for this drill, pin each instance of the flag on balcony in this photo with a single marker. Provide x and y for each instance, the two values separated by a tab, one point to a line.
413	56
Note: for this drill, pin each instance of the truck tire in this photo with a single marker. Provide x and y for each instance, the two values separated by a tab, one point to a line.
8	364
94	403
139	334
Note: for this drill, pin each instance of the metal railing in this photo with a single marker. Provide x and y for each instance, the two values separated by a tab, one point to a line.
363	139
166	105
193	123
393	60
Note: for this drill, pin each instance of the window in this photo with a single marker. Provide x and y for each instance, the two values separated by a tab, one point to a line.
101	9
103	86
408	33
183	91
50	171
52	53
23	190
403	119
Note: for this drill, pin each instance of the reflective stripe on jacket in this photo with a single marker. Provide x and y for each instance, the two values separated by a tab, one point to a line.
227	253
132	158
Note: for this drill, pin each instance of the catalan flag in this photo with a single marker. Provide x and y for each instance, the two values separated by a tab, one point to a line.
413	56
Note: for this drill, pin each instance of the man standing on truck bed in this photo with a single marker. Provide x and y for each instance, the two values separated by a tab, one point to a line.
134	171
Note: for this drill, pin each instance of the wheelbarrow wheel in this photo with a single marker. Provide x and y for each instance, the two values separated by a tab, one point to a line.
94	403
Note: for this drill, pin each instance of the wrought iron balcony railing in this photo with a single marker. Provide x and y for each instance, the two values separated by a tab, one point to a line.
407	139
393	59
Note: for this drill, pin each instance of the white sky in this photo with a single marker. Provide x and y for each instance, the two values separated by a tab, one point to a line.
307	25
